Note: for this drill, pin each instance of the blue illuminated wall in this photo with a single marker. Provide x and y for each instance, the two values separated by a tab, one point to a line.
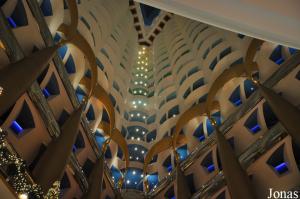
134	179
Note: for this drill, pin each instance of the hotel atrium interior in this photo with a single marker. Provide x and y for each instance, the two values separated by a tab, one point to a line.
149	99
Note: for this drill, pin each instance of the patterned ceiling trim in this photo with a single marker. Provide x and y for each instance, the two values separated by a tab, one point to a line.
146	37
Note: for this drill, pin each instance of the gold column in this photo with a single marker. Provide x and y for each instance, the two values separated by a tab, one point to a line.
96	180
236	177
96	176
182	187
51	166
287	113
17	77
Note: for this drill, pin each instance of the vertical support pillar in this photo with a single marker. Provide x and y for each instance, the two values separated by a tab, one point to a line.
236	177
52	164
287	113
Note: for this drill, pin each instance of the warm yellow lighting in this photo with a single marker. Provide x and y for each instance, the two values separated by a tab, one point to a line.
23	196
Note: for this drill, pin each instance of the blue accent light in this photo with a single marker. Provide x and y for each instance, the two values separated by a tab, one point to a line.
46	93
62	51
169	168
235	97
211	168
292	50
279	61
255	128
16	127
74	148
252	123
153	180
183	152
201	138
276	55
99	139
282	168
209	127
116	174
11	22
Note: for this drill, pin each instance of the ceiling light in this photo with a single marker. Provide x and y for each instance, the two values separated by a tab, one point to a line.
143	132
142	175
137	158
146	70
146	76
128	181
138	114
140	101
132	138
144	117
174	115
134	106
145	84
133	172
145	104
145	94
134	92
143	152
133	102
135	83
141	82
140	91
138	139
131	115
135	182
137	130
135	148
23	196
130	157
